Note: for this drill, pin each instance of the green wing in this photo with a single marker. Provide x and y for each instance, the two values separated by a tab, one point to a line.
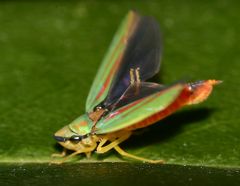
138	110
111	61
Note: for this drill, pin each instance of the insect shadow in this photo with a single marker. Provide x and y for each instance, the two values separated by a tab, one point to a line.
167	128
58	147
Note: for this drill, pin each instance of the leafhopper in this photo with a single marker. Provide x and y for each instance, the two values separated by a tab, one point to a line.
121	100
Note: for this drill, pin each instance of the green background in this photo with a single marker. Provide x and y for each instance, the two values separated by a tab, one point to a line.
50	52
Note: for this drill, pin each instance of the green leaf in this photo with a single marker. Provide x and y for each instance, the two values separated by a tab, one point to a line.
50	53
108	174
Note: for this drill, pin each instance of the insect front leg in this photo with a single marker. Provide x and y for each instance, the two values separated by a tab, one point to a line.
88	154
134	75
67	157
62	154
86	150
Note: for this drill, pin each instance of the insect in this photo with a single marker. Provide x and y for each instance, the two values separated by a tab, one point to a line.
121	100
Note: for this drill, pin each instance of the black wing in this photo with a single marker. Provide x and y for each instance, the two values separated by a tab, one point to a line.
143	51
137	91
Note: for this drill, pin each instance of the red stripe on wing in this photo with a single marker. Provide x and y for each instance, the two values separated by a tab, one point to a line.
131	25
181	100
127	107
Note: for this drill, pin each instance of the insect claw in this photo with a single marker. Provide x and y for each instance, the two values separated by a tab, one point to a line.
56	162
156	161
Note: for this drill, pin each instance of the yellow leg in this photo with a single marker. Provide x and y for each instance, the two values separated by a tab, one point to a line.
123	137
132	80
116	139
137	75
85	150
102	142
63	160
88	154
124	153
64	152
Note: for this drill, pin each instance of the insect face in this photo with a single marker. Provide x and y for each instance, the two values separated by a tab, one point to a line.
72	141
76	134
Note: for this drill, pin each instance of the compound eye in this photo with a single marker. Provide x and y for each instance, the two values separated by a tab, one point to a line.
60	138
75	138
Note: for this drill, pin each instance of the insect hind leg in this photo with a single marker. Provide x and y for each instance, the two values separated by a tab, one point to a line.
137	75
115	140
132	79
134	75
125	154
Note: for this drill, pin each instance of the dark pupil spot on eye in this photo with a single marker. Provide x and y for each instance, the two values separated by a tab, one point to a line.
75	138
